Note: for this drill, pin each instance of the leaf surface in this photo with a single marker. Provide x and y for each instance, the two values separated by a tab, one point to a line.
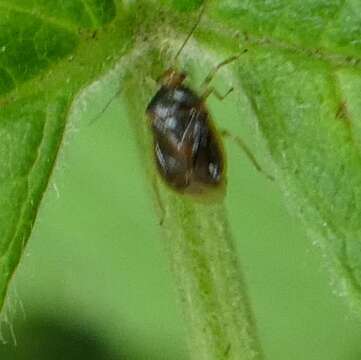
44	62
302	75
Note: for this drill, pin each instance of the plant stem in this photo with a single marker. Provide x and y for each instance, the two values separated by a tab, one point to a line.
208	276
202	257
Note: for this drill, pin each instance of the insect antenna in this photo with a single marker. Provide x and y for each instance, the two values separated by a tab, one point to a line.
192	30
105	108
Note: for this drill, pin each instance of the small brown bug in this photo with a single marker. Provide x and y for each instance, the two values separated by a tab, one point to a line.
188	151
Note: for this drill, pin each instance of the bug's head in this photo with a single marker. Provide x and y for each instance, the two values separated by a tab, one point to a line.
172	78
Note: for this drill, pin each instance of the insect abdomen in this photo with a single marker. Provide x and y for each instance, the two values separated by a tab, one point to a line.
187	151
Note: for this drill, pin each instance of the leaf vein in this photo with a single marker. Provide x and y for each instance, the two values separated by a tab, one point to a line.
6	69
33	13
90	12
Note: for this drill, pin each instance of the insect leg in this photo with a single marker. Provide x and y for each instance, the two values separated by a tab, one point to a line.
240	143
158	201
213	72
212	90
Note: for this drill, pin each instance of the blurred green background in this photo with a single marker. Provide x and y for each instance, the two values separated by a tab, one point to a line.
94	281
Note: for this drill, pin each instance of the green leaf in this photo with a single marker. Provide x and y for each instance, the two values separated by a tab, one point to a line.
44	62
302	76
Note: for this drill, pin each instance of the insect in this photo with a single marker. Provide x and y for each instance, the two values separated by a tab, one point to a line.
188	151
